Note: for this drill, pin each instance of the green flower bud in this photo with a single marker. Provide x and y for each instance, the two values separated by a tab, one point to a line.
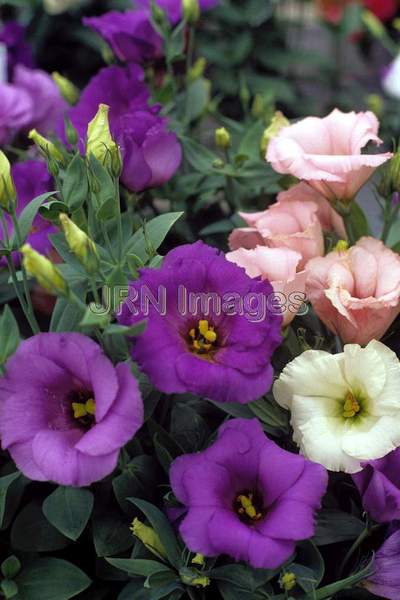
8	193
81	245
47	275
191	10
375	103
100	143
373	24
149	538
288	581
222	138
278	122
390	181
46	147
68	90
197	69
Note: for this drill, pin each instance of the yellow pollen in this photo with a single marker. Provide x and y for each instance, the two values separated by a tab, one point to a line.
83	409
351	406
203	337
247	507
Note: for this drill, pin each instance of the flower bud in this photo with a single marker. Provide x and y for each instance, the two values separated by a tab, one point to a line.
197	69
70	132
149	538
373	24
390	181
198	560
222	138
46	147
288	581
68	90
47	275
8	193
191	10
375	104
80	244
278	122
100	143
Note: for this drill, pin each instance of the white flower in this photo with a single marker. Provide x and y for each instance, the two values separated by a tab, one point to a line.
55	7
391	79
345	407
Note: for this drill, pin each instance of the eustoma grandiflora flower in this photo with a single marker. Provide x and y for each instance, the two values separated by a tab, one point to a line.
345	408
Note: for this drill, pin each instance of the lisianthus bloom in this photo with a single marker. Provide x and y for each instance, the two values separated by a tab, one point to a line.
151	154
31	178
356	292
279	266
18	50
173	8
47	102
330	220
379	487
130	35
65	410
391	78
327	152
345	407
246	497
213	335
289	224
385	579
16	111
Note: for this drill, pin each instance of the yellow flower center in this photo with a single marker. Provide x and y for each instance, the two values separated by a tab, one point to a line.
202	338
248	506
84	409
351	406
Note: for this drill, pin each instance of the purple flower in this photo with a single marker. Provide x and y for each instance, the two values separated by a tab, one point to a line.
15	112
32	179
151	154
131	35
209	348
246	497
48	104
18	50
385	580
65	410
173	8
379	487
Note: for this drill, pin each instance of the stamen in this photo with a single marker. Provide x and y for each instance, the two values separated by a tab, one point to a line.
351	406
203	337
84	409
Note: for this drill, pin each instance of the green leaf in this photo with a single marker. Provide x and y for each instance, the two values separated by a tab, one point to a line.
68	510
336	526
356	223
198	156
25	219
51	579
197	99
138	566
163	528
156	231
250	144
5	483
133	331
51	210
9	588
92	319
9	334
66	316
31	532
111	533
10	567
75	188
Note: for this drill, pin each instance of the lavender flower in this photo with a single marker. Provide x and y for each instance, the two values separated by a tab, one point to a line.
225	357
385	580
130	35
151	154
65	410
16	111
379	487
19	51
246	497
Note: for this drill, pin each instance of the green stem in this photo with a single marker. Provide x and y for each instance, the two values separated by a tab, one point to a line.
357	543
95	291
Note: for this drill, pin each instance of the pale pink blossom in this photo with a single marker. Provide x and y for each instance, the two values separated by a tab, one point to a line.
356	292
279	266
289	224
327	152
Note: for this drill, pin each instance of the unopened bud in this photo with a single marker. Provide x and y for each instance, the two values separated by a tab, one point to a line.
191	10
47	275
68	90
390	180
375	104
8	193
258	108
80	244
46	147
197	69
373	24
101	144
70	132
288	581
149	538
278	122
222	138
198	560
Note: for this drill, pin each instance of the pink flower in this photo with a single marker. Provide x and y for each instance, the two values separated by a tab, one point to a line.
327	152
289	224
356	292
330	220
279	266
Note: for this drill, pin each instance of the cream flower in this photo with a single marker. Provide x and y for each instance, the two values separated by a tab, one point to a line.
345	407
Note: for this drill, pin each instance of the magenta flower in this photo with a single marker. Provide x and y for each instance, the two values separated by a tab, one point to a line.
65	411
246	497
16	111
379	487
212	347
173	8
18	49
130	35
32	179
385	580
151	154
